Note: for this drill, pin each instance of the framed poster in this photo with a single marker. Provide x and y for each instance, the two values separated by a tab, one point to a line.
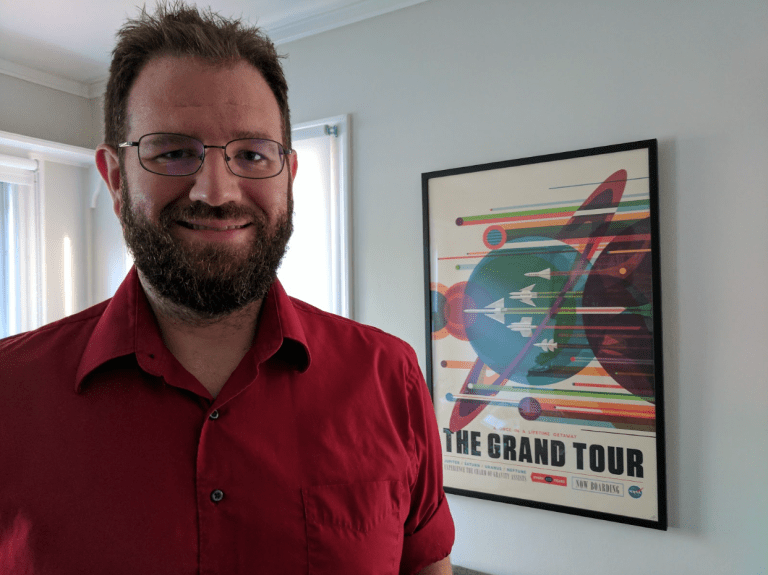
544	331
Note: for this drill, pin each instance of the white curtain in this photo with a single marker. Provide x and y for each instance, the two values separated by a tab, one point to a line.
305	269
21	297
315	268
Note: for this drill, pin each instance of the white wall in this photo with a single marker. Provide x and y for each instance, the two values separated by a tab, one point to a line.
65	190
447	84
108	258
48	114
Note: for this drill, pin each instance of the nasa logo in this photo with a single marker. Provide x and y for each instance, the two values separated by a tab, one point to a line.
635	491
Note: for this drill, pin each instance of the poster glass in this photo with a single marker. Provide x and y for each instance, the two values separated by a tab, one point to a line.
543	331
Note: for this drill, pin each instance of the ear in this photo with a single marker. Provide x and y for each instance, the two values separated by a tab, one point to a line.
293	163
109	167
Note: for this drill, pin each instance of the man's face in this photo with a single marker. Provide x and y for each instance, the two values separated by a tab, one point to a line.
212	241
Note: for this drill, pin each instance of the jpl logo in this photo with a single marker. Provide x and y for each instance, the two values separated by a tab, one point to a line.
635	491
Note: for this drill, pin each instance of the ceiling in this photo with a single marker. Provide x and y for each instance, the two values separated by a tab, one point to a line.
66	44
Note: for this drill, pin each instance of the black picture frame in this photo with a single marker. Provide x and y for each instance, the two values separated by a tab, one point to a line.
543	326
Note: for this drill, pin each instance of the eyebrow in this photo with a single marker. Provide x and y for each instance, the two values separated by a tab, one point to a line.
241	135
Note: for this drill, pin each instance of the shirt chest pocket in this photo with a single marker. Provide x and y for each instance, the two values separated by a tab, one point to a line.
355	528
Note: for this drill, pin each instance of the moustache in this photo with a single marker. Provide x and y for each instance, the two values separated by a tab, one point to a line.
201	210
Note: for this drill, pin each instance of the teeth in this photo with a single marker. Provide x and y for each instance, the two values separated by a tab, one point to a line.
196	227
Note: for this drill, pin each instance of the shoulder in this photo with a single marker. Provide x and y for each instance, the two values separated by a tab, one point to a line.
59	340
358	352
352	335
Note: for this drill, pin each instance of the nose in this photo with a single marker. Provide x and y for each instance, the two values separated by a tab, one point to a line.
214	184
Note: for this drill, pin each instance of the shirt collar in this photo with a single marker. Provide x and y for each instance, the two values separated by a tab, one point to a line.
280	330
128	327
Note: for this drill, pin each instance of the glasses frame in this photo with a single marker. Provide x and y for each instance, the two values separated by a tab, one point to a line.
283	153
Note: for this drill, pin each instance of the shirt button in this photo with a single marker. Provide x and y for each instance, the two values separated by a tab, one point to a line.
214	414
217	495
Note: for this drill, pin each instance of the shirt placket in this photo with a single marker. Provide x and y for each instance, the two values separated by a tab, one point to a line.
211	486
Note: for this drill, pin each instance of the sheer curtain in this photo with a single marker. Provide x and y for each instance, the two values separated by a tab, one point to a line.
21	293
315	268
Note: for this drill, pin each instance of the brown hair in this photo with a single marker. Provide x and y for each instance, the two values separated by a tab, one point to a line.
180	30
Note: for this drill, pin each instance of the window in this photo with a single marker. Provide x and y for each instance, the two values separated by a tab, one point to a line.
21	299
316	267
42	235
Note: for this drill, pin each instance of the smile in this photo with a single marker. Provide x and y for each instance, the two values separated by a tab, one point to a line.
200	227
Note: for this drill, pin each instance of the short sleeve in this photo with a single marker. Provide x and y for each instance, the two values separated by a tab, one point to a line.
429	529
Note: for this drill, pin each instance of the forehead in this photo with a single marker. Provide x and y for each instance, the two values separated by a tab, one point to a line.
187	94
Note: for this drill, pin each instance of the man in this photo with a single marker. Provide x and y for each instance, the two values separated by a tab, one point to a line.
201	421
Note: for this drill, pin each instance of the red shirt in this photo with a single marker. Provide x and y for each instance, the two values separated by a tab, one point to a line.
320	454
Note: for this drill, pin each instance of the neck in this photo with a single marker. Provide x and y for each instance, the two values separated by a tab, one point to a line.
210	348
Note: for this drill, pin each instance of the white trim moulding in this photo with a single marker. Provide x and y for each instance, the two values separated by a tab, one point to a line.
281	32
53	151
290	29
43	78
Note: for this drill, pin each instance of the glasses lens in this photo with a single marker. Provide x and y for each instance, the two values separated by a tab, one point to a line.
255	158
171	154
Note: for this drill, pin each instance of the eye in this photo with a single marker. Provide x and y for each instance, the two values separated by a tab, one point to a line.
249	156
254	158
169	148
176	155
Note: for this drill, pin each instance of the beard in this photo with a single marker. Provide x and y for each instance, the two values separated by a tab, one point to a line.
206	279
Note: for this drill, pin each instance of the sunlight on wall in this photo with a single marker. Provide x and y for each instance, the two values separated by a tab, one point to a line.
68	273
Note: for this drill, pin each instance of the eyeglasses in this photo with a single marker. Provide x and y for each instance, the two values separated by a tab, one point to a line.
179	155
